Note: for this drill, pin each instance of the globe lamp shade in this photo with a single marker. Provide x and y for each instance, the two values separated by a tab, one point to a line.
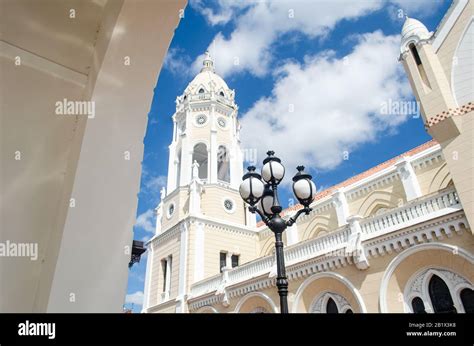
251	188
272	171
303	187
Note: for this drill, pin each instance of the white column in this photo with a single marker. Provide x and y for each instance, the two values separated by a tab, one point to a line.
292	234
159	211
183	256
408	178
195	189
175	129
172	167
168	277
213	148
186	161
159	216
199	252
213	156
228	260
340	204
148	274
236	164
250	218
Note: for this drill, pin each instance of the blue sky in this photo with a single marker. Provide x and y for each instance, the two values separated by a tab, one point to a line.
313	75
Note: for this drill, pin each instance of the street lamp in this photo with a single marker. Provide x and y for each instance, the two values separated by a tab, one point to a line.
262	196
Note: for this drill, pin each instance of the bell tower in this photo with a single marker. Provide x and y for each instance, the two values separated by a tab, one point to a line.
206	141
202	223
440	69
206	130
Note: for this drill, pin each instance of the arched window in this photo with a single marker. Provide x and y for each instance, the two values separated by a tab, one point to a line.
418	306
415	54
200	155
419	64
201	91
440	296
331	303
467	299
223	164
331	307
178	168
221	93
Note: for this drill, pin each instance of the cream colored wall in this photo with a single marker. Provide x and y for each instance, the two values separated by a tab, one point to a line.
434	177
447	50
389	196
213	204
312	226
460	159
217	240
180	198
266	243
161	251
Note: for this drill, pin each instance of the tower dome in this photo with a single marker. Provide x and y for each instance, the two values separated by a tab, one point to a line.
207	80
413	31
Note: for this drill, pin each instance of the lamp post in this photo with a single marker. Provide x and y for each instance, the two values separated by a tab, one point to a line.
262	196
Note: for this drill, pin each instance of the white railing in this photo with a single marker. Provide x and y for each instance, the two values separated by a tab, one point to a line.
318	246
430	206
205	286
251	269
422	209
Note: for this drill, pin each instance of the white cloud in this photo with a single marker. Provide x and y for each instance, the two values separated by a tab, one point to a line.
336	104
177	62
146	221
248	48
260	24
153	184
224	12
418	7
134	298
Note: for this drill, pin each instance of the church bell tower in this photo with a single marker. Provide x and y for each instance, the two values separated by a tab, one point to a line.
202	223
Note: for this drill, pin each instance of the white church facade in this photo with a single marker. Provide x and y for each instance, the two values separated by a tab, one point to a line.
395	238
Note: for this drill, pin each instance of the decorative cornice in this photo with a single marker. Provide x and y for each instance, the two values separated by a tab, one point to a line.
222	225
437	229
211	223
451	112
